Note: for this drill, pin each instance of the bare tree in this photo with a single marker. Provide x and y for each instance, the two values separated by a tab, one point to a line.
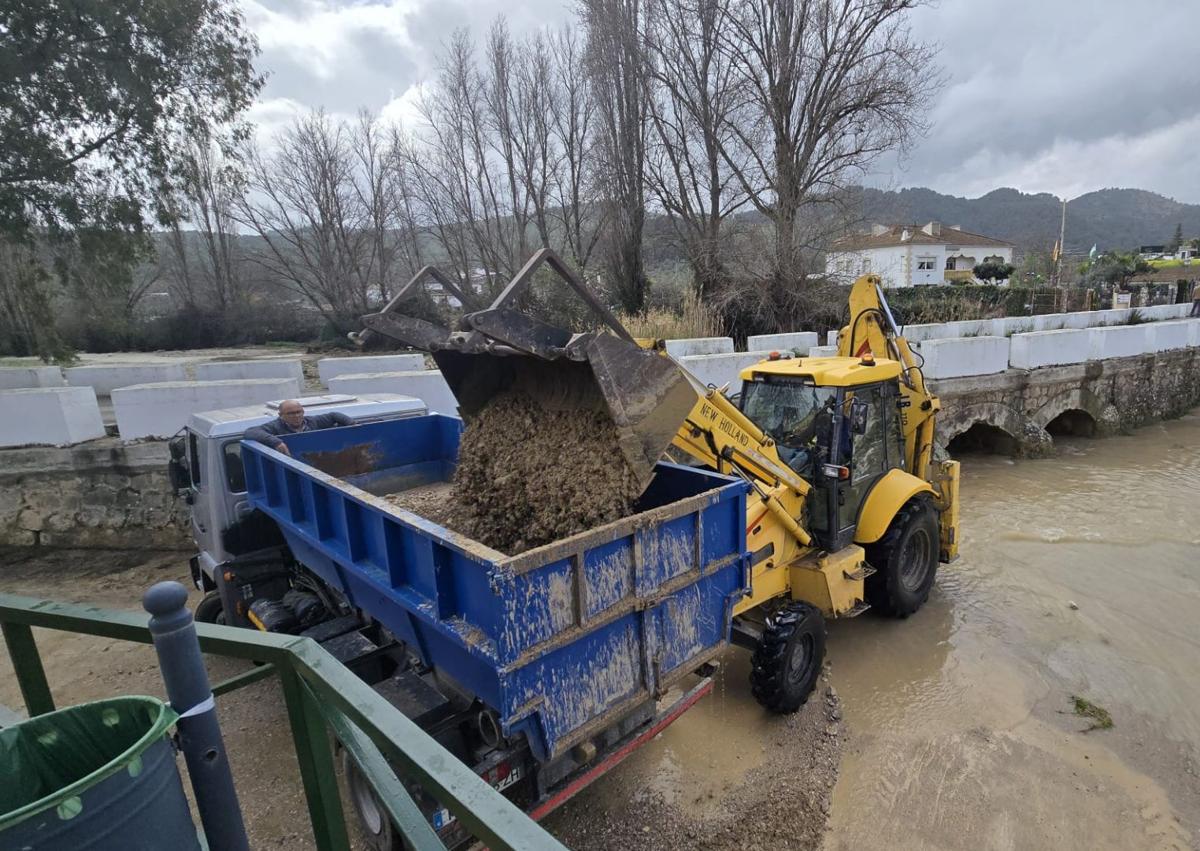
311	205
829	85
573	189
617	66
691	102
202	237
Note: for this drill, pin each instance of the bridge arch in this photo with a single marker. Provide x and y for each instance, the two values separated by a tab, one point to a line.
1066	409
992	426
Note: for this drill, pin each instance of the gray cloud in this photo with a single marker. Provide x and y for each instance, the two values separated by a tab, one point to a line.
1061	97
1041	95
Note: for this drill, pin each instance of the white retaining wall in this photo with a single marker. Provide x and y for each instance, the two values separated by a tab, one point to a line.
1049	348
424	384
719	370
1121	341
1010	325
105	379
955	358
12	378
800	341
688	346
160	410
1176	334
823	352
56	416
238	370
329	368
1165	311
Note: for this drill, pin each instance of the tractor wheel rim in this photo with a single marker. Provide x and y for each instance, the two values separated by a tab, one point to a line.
800	659
914	560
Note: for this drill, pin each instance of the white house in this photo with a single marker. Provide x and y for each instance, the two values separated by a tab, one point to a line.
912	255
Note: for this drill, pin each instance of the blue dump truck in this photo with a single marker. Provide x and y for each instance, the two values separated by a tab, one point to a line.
540	670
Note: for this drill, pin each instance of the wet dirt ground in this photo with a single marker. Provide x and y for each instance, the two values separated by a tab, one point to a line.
1080	576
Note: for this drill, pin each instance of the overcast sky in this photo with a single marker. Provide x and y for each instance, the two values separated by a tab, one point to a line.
1041	95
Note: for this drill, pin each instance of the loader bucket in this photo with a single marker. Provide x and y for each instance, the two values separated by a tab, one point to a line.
646	395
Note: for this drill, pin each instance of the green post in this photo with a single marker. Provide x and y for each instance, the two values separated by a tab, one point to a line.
315	756
27	664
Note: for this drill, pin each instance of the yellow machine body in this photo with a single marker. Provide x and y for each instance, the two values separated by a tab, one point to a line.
786	561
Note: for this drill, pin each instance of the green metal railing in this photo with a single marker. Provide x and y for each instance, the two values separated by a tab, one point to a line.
321	694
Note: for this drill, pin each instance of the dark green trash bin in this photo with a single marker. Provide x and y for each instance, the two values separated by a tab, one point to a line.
98	776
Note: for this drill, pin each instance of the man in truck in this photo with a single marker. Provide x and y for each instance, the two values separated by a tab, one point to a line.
291	420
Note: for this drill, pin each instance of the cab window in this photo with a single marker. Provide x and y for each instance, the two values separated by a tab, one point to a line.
194	459
235	473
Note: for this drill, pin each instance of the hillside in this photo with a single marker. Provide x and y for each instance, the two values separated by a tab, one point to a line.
1109	218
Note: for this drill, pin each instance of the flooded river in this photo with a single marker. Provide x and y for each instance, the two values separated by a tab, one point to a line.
1079	576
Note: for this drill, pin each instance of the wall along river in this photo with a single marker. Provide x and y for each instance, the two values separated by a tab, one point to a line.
1079	576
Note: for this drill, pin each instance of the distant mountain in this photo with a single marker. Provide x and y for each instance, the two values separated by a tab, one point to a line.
1118	219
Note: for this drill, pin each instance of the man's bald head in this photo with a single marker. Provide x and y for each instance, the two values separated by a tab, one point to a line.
291	412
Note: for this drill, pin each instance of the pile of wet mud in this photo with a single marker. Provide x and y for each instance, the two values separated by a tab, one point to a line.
528	476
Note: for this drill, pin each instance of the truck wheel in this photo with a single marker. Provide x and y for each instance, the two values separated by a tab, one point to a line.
788	658
372	818
905	561
210	610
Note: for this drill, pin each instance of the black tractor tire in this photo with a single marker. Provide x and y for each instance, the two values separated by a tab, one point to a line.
788	658
373	819
210	610
905	561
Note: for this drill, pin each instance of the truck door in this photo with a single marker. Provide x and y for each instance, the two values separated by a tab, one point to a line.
203	531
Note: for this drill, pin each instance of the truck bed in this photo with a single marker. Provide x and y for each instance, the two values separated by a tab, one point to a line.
560	640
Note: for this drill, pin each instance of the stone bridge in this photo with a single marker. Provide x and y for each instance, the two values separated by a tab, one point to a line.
1019	411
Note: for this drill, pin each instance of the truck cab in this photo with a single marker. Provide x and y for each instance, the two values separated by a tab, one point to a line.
206	469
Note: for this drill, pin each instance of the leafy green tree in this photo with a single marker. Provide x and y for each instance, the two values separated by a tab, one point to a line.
994	270
1114	267
1176	239
95	96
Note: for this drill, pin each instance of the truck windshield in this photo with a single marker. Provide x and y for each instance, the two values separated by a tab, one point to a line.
793	414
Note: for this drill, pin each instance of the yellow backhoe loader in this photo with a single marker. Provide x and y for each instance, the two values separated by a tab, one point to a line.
847	511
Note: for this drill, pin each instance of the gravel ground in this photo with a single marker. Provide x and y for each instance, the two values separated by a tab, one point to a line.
782	803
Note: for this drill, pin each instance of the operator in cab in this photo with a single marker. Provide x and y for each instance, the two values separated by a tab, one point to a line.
291	420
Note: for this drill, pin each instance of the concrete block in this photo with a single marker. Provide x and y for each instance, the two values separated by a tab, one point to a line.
931	331
424	384
1068	321
955	358
1108	318
1049	348
689	346
831	337
1172	334
160	410
13	378
105	379
49	416
719	370
1194	332
238	370
329	368
823	352
800	341
1121	341
1165	311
